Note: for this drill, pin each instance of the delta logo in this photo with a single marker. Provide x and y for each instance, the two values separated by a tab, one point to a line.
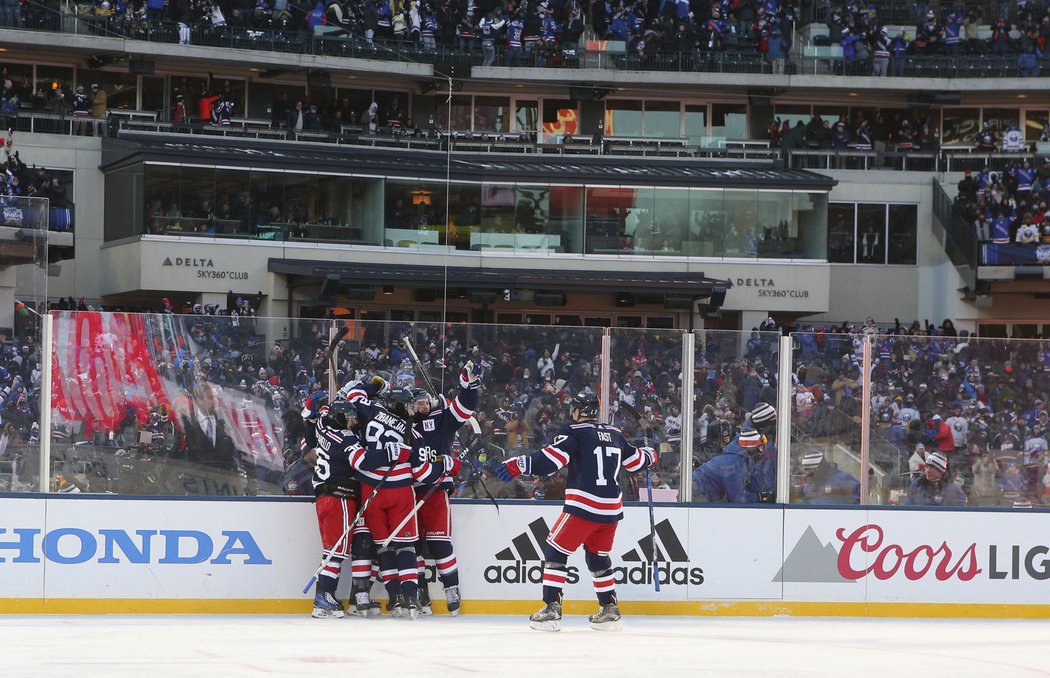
522	561
868	550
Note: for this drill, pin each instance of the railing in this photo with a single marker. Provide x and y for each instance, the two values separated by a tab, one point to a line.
742	59
960	238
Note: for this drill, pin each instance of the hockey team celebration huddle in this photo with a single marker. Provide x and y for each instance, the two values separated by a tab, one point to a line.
384	465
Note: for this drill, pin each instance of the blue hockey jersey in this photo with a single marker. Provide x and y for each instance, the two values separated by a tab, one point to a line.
436	431
594	454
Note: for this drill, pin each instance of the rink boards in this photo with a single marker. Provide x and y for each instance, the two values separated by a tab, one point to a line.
125	555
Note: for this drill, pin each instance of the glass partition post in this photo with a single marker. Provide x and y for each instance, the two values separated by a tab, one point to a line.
46	329
784	421
865	430
688	402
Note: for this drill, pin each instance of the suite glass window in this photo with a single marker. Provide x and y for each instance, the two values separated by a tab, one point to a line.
871	233
662	119
623	118
492	114
1034	119
694	123
960	126
729	121
1001	119
534	217
841	232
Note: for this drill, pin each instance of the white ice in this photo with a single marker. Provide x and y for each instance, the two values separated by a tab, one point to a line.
503	646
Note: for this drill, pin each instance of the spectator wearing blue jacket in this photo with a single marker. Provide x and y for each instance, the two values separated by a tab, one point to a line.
826	484
729	477
1028	63
933	488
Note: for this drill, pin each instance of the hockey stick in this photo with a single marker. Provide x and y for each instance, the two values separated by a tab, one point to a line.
329	355
477	472
350	526
415	509
632	412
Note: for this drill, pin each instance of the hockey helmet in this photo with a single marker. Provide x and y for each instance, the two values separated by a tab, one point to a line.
586	404
341	412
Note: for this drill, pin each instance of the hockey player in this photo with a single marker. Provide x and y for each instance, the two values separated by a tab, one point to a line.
337	493
594	454
436	427
396	499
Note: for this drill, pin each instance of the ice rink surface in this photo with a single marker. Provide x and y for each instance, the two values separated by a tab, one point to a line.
255	645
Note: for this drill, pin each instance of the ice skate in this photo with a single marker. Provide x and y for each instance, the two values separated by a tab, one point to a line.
396	606
607	619
327	607
424	601
405	608
364	606
452	596
547	619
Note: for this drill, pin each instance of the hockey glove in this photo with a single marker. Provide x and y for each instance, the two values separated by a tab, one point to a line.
396	453
654	456
470	376
450	465
514	467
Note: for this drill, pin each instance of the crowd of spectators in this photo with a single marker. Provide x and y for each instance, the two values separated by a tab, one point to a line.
19	180
1011	206
870	47
879	133
978	402
548	29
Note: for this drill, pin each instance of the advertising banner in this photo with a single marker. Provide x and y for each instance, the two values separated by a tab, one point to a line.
916	556
105	552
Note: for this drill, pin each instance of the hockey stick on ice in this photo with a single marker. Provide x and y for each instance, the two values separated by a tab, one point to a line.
632	412
350	526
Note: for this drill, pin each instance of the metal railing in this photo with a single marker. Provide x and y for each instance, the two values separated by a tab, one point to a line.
960	237
740	59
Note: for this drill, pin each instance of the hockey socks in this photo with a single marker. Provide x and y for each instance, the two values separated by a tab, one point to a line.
555	571
445	562
603	577
406	572
388	572
328	577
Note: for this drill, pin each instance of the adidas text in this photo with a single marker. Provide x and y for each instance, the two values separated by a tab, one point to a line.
643	574
520	573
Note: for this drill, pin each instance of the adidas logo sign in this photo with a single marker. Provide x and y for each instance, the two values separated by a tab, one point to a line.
522	561
671	552
514	560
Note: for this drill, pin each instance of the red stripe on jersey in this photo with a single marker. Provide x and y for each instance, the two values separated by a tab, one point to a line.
636	461
556	455
356	394
592	501
458	411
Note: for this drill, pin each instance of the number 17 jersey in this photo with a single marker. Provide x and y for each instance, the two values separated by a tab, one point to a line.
594	454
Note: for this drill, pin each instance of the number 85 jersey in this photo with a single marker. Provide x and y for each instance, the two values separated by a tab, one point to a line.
594	453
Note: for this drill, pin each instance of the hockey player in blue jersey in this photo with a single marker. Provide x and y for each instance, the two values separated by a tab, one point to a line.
389	432
435	424
594	454
728	476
